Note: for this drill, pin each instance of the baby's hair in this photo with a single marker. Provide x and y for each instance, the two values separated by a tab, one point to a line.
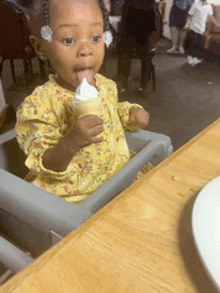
44	7
105	15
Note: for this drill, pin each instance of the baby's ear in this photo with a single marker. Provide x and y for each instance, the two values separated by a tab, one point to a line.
38	47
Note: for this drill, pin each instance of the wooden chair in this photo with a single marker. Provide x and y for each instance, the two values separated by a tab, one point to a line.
212	33
14	39
3	107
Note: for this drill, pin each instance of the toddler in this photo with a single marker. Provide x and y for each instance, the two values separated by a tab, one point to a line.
67	155
198	15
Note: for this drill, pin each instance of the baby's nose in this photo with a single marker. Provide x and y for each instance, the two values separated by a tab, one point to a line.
85	49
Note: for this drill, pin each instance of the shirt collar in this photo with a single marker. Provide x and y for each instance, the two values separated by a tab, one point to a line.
203	3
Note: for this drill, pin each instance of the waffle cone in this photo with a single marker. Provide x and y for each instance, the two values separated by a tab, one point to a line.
89	107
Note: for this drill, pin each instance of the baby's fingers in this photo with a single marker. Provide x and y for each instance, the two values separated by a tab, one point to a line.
97	139
143	119
94	132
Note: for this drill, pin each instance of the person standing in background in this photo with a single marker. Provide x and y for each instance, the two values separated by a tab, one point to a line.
137	25
199	14
178	16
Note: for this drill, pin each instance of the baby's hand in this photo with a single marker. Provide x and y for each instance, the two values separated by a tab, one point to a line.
139	117
85	130
186	27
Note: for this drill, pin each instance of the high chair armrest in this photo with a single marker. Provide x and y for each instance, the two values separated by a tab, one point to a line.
147	145
139	139
12	257
40	209
7	136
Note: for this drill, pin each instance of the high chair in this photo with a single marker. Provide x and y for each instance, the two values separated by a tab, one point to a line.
35	220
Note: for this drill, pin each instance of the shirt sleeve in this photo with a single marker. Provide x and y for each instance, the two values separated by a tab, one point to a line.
123	110
192	9
210	10
38	128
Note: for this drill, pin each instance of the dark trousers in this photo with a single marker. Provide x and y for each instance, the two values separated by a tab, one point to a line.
124	65
136	35
193	45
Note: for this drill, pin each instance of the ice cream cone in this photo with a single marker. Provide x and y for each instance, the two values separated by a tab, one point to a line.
89	107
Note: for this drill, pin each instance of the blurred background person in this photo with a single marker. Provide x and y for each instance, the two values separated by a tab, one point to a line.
136	27
177	20
199	14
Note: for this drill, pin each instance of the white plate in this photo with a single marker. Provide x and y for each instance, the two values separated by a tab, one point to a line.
206	227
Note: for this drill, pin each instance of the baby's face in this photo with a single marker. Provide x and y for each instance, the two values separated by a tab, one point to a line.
77	47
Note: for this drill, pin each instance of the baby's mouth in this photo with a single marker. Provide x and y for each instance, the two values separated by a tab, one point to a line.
88	72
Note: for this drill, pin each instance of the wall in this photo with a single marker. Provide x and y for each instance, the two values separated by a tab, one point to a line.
216	2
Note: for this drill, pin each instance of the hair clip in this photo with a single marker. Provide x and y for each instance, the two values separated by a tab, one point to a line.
46	33
107	38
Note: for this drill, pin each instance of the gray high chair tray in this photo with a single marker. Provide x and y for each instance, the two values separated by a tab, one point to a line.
36	219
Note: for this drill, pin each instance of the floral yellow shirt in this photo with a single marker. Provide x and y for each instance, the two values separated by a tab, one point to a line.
44	118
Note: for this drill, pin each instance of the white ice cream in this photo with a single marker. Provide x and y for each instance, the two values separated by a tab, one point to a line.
85	91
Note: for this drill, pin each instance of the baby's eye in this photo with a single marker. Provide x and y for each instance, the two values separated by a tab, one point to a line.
96	39
68	41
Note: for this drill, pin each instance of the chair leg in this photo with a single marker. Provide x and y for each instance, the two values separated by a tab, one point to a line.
153	74
42	68
25	63
103	69
1	66
13	70
30	65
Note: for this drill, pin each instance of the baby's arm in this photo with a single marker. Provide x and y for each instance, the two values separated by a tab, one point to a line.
42	134
82	132
191	13
132	116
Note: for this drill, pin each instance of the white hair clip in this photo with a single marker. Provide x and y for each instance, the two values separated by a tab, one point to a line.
107	38
46	33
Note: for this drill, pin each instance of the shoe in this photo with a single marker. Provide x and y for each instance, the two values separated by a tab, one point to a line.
142	92
122	93
121	87
181	50
196	61
173	50
190	60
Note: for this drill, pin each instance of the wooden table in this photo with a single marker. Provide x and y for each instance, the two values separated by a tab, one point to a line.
141	241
